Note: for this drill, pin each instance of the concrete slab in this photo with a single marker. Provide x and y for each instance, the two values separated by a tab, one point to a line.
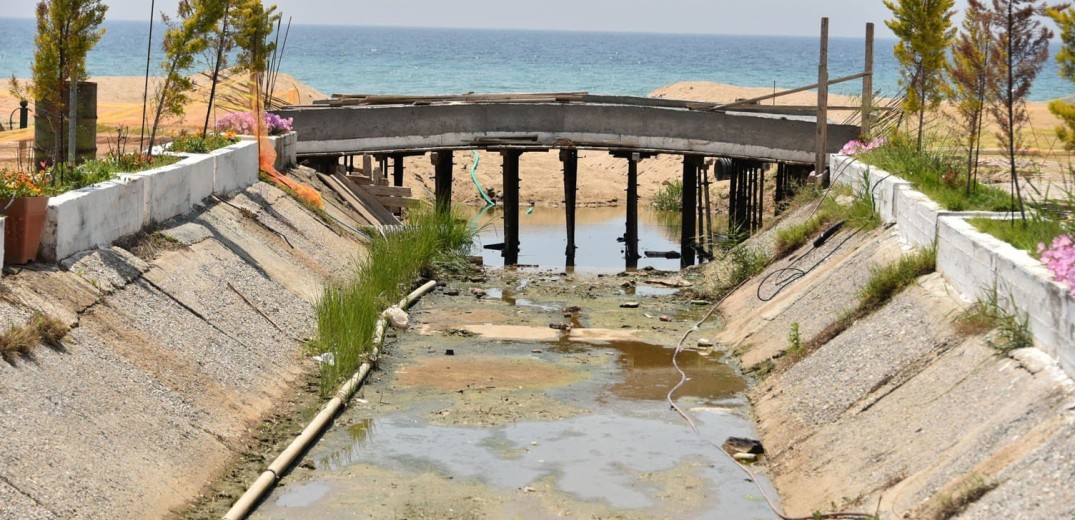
93	216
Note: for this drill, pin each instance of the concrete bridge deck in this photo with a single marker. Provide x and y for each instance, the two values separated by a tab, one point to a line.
408	125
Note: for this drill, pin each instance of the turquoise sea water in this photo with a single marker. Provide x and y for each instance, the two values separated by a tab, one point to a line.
379	60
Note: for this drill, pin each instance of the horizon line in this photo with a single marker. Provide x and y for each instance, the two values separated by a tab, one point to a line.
522	29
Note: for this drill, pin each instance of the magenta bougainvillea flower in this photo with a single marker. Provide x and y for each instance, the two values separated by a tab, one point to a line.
243	123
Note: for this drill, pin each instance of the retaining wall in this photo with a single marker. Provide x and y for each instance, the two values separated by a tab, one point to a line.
2	245
286	147
99	215
971	261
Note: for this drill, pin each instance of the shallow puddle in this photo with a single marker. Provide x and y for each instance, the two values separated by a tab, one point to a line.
543	238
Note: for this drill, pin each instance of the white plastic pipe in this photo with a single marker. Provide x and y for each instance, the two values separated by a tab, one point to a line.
245	505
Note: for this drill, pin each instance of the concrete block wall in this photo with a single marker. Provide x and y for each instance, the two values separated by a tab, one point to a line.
236	167
286	147
974	262
99	215
93	216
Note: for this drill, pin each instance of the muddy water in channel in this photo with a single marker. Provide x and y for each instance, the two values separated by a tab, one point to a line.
528	421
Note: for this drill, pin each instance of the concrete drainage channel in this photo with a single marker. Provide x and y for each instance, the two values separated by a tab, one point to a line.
531	418
246	503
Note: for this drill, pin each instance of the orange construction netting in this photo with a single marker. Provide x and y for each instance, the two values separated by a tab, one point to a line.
267	153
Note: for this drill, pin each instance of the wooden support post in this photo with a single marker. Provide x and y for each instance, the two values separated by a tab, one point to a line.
690	201
397	170
442	161
570	158
733	197
631	237
820	160
760	205
699	209
867	85
781	189
367	166
708	207
511	206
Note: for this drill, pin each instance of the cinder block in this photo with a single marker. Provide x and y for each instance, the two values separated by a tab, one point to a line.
200	170
236	167
167	192
93	216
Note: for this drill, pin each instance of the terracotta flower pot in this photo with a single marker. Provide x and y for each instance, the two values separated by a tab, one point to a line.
22	232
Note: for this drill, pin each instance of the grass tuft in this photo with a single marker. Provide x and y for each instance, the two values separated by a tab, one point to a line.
972	488
886	282
989	314
1025	235
348	311
669	197
858	213
936	173
21	340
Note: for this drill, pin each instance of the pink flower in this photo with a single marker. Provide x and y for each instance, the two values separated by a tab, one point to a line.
1060	259
855	147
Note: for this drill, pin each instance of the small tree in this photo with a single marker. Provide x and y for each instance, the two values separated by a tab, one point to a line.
1023	46
1065	20
253	26
184	39
66	32
925	30
221	44
971	76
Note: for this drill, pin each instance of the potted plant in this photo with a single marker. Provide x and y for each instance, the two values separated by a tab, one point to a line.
24	198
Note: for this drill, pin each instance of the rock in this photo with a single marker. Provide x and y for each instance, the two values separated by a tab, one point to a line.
573	309
451	292
699	302
629	305
705	343
397	318
734	445
328	358
478	293
628	284
665	318
745	457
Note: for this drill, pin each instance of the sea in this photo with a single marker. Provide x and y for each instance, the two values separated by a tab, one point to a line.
391	60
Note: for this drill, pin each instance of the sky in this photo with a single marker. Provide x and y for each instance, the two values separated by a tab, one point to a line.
760	17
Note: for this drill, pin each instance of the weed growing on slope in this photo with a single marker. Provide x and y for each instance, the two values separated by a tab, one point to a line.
21	340
348	312
972	488
885	282
859	213
988	314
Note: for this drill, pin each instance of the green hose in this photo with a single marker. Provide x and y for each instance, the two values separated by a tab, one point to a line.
474	176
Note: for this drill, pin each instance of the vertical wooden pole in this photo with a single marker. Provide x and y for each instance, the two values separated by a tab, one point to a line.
443	179
690	200
511	206
397	170
570	158
367	166
700	210
867	84
708	207
631	236
733	198
823	105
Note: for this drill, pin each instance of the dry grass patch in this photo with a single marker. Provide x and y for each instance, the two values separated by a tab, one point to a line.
22	340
